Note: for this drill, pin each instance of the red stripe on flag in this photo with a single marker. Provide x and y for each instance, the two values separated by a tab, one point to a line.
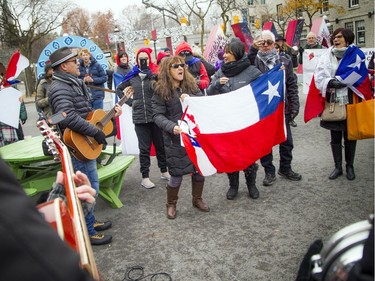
250	144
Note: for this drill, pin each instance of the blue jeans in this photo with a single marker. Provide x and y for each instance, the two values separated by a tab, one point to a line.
97	104
89	168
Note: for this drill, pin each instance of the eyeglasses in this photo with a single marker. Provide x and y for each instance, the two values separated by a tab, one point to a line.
338	36
177	65
185	53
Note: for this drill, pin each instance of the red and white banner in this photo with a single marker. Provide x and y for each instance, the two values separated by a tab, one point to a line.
320	28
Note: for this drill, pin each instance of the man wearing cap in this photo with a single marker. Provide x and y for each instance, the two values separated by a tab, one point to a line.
287	50
69	94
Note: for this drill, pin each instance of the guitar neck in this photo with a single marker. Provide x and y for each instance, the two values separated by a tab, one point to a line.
75	209
110	114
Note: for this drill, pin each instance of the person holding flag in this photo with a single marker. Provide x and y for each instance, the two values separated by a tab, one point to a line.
340	72
236	72
173	85
267	58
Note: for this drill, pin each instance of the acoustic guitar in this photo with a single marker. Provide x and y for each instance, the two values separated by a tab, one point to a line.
68	220
87	148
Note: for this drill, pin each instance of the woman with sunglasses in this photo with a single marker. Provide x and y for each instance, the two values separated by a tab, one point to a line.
236	72
175	83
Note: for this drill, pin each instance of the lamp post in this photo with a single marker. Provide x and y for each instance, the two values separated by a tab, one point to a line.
116	30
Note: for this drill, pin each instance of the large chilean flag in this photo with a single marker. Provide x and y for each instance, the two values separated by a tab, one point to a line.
236	129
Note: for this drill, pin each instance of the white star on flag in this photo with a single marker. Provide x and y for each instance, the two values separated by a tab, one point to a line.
357	62
272	91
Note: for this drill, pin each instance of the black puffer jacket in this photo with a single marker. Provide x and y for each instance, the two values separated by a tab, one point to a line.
166	116
63	97
141	101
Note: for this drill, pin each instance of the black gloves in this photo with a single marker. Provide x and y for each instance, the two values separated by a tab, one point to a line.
23	121
100	137
336	84
301	50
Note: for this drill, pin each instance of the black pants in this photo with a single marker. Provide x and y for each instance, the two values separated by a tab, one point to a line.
147	134
285	150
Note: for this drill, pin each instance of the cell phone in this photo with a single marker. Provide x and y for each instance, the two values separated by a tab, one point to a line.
56	118
143	63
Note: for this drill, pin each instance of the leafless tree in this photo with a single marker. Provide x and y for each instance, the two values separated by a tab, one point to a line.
24	22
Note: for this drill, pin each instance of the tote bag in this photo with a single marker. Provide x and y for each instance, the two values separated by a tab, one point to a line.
360	119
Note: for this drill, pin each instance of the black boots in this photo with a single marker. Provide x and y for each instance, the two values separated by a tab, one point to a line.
349	158
196	192
350	147
250	176
172	196
233	185
337	158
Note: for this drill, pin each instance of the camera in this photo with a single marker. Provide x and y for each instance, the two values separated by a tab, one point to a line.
143	63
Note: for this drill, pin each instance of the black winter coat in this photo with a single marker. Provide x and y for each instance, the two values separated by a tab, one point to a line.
30	248
64	98
166	116
141	101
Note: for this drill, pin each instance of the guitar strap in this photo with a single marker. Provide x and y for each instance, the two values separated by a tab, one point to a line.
110	159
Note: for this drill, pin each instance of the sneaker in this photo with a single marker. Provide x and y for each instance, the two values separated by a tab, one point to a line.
165	176
290	175
146	183
100	226
100	239
269	179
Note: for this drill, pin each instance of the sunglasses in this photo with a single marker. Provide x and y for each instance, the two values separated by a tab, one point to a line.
269	42
177	65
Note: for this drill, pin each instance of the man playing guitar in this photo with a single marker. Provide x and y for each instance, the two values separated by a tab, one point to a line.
69	94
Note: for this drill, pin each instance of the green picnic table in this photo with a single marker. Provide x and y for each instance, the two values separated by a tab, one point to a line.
36	172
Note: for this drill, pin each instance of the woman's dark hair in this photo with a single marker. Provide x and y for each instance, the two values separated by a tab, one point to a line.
236	48
346	33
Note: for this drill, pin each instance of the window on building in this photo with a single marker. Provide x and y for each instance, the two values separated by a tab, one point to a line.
325	5
250	2
251	19
360	31
349	25
353	3
279	11
262	2
330	29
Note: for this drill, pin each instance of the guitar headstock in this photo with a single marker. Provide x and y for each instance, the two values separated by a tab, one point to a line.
51	135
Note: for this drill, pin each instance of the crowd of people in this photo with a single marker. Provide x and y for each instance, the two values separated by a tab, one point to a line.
74	83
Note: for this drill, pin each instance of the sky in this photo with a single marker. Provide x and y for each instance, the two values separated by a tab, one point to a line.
104	5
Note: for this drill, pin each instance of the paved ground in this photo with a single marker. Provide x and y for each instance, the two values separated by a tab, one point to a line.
240	240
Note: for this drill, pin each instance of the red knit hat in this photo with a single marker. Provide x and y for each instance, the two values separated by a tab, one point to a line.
160	56
148	51
183	46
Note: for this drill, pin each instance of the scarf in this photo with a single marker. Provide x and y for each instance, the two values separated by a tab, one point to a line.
339	52
269	58
77	84
234	68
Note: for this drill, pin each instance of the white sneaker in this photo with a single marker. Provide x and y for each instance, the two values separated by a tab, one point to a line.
165	176
146	183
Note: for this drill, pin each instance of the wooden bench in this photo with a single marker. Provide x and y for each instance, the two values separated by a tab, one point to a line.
111	179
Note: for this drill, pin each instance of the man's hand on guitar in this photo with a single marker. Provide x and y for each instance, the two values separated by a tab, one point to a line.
118	110
100	137
83	187
128	92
